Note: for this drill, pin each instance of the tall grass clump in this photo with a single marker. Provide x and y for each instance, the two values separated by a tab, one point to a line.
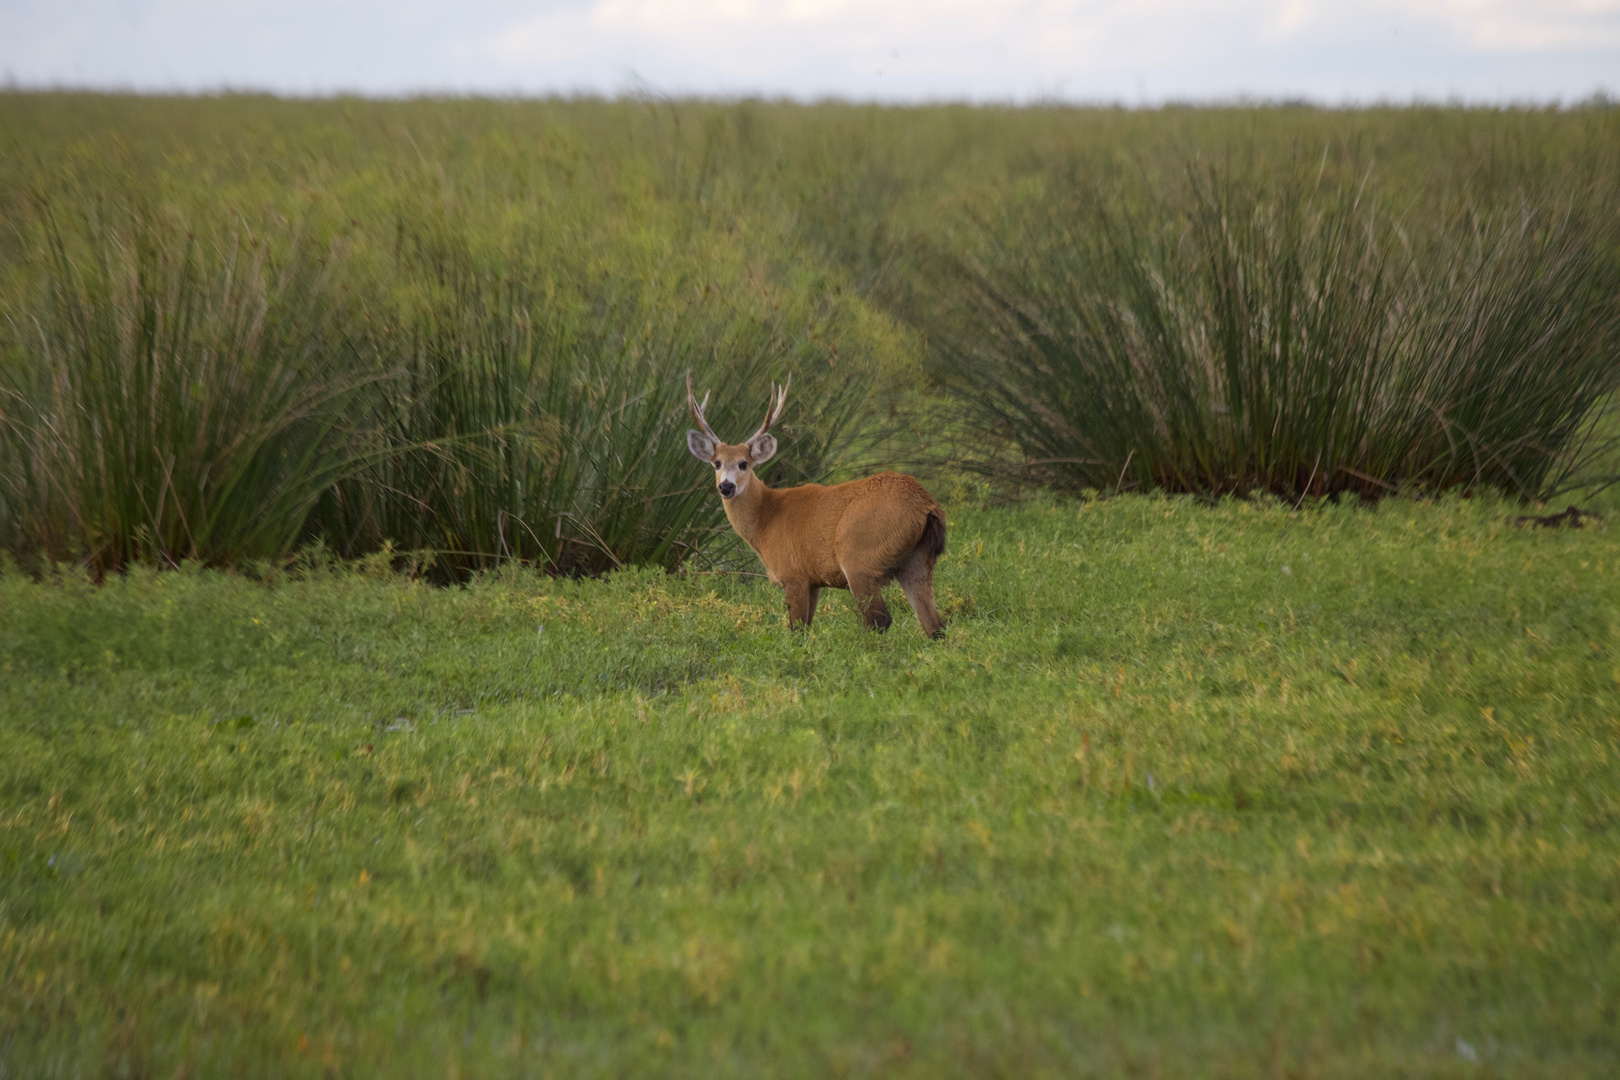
167	397
536	409
1283	333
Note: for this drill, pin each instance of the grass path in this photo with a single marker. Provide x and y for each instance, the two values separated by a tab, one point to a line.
1186	791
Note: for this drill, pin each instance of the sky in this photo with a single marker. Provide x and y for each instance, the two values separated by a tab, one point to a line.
1132	52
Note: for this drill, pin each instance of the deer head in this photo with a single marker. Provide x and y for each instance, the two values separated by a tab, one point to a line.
734	465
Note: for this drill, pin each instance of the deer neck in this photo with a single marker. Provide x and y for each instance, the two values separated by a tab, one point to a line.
751	511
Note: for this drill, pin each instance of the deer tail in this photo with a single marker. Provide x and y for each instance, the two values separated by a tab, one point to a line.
932	540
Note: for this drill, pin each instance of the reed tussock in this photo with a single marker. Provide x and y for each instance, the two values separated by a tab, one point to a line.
474	398
180	400
540	416
1273	332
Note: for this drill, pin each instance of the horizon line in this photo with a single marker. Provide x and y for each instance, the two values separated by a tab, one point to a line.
1599	97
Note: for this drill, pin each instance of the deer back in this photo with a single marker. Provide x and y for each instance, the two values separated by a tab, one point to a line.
827	534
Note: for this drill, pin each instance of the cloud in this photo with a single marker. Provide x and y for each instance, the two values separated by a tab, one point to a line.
1514	26
1120	50
1017	48
750	42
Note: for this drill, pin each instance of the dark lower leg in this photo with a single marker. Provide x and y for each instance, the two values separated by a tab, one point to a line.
801	604
869	598
917	581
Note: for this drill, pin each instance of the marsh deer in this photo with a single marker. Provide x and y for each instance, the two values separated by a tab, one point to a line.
857	536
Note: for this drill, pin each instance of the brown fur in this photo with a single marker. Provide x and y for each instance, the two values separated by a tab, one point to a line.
857	536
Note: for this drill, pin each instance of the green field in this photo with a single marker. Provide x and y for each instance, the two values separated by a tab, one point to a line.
1188	789
383	693
233	326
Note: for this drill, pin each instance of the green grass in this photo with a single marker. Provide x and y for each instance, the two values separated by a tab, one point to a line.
1186	790
231	326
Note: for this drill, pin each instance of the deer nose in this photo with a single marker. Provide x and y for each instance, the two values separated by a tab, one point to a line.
727	489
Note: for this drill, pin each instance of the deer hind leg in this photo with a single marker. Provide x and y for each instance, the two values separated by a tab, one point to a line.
916	577
868	592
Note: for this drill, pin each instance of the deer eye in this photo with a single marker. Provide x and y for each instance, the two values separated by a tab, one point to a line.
742	466
717	465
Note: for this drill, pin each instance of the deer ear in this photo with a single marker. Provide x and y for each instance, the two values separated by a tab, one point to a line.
701	445
761	448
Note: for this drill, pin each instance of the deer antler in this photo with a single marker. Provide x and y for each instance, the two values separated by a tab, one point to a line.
697	410
774	412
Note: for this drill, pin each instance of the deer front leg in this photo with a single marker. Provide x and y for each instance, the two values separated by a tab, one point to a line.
801	603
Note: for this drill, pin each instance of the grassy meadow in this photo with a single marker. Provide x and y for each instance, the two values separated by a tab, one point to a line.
382	692
1187	790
